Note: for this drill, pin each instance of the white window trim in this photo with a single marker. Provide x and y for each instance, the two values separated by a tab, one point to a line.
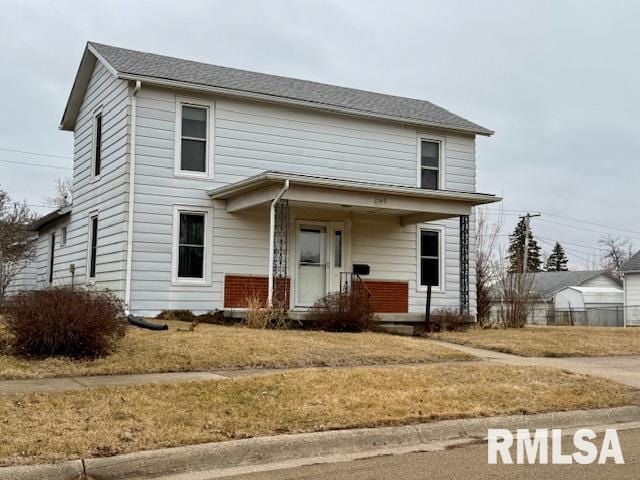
441	229
209	153
208	218
94	139
91	280
442	181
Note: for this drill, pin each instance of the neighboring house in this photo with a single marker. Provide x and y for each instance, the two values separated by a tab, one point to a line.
631	279
545	285
196	186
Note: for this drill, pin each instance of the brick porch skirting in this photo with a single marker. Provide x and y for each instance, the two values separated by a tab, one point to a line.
239	288
389	296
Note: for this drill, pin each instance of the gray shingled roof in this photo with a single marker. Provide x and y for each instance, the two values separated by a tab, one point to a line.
547	283
633	264
130	63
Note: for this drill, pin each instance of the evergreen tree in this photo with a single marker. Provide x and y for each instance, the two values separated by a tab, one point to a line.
516	250
557	260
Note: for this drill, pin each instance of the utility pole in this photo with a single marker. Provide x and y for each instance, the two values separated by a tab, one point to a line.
525	255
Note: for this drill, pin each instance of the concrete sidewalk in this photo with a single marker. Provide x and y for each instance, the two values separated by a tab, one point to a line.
624	369
60	384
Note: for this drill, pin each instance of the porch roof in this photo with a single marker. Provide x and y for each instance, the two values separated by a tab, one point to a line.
411	204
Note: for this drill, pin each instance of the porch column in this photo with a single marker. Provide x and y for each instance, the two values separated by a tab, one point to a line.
279	255
464	264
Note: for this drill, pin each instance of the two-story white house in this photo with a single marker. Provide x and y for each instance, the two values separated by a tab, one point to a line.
196	186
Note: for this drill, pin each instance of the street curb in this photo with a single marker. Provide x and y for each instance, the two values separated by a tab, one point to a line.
264	450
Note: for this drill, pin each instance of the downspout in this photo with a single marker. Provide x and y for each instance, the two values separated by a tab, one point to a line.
132	173
272	239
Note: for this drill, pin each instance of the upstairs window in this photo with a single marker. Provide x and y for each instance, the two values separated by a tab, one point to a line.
430	258
194	139
430	164
97	145
52	251
191	245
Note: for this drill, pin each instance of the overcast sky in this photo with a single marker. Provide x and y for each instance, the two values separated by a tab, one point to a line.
559	82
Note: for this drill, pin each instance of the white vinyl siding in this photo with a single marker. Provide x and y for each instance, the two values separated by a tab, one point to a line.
632	298
248	138
111	97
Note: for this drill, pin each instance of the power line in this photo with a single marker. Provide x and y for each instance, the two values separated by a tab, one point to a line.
577	220
19	162
52	155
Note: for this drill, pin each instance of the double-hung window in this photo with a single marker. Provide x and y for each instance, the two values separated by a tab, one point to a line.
93	246
97	145
194	147
430	266
191	245
430	164
52	251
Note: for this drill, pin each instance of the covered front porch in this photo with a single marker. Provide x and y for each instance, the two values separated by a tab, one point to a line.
325	233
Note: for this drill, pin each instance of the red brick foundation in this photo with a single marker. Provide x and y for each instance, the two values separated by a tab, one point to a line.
389	296
386	296
239	288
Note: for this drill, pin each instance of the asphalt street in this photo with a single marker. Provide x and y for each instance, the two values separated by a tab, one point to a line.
463	463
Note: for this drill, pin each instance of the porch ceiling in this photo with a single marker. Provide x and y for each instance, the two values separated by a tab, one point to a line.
411	204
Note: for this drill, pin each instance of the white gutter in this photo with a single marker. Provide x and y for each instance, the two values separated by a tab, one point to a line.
132	173
272	239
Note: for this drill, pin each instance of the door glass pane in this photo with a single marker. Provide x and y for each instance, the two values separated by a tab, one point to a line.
194	122
312	245
193	158
338	249
429	268
430	154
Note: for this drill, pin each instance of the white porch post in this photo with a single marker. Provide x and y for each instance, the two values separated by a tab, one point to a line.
272	239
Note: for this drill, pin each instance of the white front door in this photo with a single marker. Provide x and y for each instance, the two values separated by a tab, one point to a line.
312	264
322	252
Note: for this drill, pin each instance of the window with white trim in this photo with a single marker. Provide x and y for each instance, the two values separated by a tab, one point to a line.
93	246
52	251
191	245
63	236
430	257
97	145
430	153
194	138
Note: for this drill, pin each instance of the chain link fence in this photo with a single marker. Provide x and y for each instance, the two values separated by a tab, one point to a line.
595	317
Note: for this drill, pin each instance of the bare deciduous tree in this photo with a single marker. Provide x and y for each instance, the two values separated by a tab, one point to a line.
16	240
63	192
615	251
516	296
487	234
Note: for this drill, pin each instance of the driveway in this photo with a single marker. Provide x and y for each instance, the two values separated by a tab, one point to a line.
624	369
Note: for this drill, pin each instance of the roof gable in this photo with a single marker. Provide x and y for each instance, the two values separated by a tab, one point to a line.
163	70
633	264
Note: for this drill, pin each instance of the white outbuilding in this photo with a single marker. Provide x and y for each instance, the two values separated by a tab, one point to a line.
590	306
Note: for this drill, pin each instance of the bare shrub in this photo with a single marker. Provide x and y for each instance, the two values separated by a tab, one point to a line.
451	319
177	315
342	312
62	321
515	294
259	315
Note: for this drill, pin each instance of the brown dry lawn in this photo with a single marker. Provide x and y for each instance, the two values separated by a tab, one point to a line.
46	427
219	347
551	341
